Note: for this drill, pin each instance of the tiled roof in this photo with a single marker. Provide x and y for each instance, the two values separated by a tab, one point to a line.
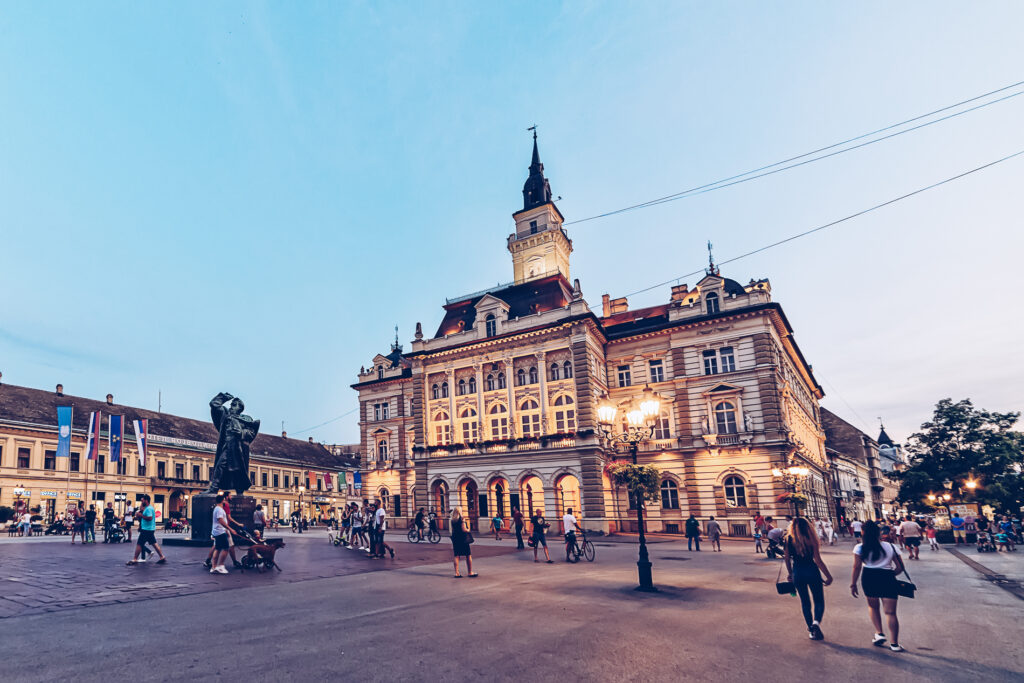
524	299
843	437
39	407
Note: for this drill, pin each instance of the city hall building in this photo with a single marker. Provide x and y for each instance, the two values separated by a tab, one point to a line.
287	475
497	409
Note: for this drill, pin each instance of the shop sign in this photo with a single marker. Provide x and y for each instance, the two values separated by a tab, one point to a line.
118	497
188	443
74	494
321	499
47	494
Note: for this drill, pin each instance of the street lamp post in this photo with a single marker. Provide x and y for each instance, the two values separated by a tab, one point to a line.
641	419
791	477
19	491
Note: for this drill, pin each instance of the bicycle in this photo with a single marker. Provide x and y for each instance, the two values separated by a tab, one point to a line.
431	534
582	547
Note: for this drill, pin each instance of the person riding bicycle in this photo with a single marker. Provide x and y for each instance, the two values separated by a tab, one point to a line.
570	526
420	523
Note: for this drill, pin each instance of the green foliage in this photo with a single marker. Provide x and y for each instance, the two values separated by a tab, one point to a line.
6	513
958	442
643	481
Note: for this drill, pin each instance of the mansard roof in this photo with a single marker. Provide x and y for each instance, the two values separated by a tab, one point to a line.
842	437
38	408
527	298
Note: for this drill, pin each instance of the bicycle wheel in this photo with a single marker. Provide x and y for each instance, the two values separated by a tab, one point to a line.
572	554
434	536
413	536
588	551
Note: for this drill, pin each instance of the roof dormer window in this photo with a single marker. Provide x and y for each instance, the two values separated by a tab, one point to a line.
490	325
533	227
711	303
380	372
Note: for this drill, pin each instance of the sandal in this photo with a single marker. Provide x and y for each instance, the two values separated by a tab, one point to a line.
551	561
131	562
473	576
457	576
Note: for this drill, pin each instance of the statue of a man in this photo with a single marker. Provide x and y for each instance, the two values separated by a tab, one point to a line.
237	431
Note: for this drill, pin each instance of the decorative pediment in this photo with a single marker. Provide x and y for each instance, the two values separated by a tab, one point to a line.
723	388
380	431
489	302
711	282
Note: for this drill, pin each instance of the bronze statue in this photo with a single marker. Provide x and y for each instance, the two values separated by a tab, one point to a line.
237	431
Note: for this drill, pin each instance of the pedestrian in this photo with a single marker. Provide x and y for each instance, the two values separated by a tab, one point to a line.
221	533
1006	527
496	526
692	533
830	532
77	523
757	542
910	532
25	522
129	521
759	522
517	523
346	525
90	525
876	564
714	531
147	531
108	521
358	538
538	537
420	522
959	529
855	528
930	533
805	567
461	540
259	521
570	526
381	522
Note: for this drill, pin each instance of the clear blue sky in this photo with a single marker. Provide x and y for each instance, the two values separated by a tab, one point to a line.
197	197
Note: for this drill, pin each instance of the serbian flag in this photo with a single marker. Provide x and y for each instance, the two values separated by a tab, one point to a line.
116	436
327	480
141	439
65	415
92	444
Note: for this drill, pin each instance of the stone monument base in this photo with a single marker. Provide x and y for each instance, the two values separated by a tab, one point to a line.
242	508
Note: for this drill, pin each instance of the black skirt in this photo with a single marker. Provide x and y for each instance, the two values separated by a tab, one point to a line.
879	583
459	546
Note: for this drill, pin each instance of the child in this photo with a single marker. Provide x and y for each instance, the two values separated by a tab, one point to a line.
757	541
930	533
496	527
1003	541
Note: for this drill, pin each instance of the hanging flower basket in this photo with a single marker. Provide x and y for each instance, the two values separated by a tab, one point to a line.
643	481
795	498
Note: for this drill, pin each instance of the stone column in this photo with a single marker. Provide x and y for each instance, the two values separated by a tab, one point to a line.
480	402
513	430
449	376
542	376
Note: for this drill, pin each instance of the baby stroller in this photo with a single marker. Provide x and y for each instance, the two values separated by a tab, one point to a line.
57	528
986	544
261	557
116	534
775	549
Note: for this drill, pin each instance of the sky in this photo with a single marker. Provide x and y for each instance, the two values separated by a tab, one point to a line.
249	197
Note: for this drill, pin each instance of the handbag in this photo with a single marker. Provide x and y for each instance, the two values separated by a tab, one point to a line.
469	537
904	589
783	587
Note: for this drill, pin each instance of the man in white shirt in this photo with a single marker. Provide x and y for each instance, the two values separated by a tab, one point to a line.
570	526
856	526
910	531
380	523
219	531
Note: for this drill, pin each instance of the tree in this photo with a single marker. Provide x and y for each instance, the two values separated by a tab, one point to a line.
960	442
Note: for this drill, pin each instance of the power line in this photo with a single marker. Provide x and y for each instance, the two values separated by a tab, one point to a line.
333	419
740	177
836	222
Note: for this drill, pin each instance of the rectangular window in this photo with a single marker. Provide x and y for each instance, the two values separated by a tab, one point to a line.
100	464
277	481
122	465
195	473
443	432
661	428
287	481
50	460
533	227
657	371
625	379
710	363
73	462
380	411
161	469
24	458
469	431
727	358
319	484
263	479
179	470
142	469
531	425
499	427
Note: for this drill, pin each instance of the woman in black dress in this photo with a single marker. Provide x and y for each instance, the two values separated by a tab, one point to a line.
460	543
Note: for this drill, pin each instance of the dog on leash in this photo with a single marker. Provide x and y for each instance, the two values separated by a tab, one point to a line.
263	554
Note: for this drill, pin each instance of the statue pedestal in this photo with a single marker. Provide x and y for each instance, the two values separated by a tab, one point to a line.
242	508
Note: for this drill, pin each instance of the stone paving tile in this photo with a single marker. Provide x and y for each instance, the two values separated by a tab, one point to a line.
54	576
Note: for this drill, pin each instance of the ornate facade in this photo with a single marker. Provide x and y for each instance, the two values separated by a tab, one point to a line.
497	409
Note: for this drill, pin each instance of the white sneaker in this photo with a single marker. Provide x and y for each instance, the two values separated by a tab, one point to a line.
221	569
878	640
895	647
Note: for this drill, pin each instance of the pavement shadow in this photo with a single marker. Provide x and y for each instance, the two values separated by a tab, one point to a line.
683	595
935	667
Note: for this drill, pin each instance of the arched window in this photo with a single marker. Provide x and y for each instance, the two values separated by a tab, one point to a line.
725	417
661	427
735	492
567	369
470	431
533	375
380	372
529	414
520	377
499	421
711	303
444	389
382	449
490	325
501	380
472	385
462	388
669	495
553	375
435	391
442	429
383	495
565	414
489	383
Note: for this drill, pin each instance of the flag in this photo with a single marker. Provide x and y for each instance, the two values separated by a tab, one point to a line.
327	480
341	480
116	436
92	444
65	415
141	439
357	480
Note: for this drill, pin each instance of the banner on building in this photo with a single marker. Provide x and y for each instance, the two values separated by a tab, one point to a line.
342	481
141	439
327	480
116	436
357	480
65	414
92	445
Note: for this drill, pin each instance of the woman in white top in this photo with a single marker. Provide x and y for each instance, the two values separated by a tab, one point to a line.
830	533
877	564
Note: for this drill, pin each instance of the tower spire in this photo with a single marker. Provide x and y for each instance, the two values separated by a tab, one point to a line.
712	268
537	189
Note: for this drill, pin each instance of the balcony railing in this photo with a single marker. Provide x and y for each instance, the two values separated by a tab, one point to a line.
504	446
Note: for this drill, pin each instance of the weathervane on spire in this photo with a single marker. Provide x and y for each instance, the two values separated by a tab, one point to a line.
534	129
712	268
396	346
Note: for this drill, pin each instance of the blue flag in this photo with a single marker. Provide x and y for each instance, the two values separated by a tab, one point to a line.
357	480
116	437
64	416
